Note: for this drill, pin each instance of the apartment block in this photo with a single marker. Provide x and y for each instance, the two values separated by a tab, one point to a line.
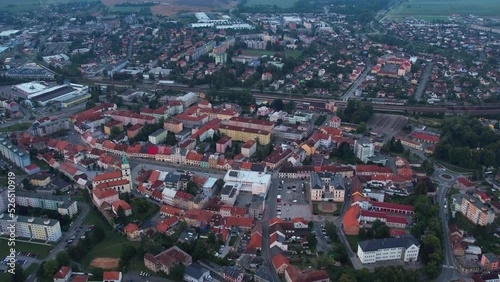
19	157
62	204
405	248
32	227
475	211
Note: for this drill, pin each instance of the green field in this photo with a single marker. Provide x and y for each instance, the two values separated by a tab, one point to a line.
441	9
256	52
16	127
125	10
111	245
27	5
278	3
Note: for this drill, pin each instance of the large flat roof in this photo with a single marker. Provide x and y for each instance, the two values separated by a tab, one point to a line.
247	177
31	87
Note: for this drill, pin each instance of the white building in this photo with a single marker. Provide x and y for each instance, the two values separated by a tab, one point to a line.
32	227
229	193
158	136
404	248
251	181
327	186
62	204
363	150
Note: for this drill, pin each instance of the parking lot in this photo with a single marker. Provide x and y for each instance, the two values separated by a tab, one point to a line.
25	259
79	233
292	200
387	124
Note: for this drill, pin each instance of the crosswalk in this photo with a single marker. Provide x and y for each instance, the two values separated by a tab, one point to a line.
448	266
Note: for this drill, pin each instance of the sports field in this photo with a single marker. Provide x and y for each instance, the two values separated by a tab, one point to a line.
441	9
278	3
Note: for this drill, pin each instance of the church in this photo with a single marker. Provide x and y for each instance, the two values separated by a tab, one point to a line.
120	180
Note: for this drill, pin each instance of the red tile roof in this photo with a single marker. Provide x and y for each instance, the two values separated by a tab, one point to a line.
392	206
170	210
426	137
238	221
166	224
464	181
63	271
111	275
108	175
121	203
104	193
130	228
279	260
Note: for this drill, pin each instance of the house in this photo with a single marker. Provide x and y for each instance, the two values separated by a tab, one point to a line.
165	260
490	262
223	144
112	276
292	274
132	230
465	184
63	274
121	204
195	273
280	263
169	211
232	274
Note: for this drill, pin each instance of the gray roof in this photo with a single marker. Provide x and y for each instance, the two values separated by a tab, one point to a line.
195	270
172	178
32	220
387	243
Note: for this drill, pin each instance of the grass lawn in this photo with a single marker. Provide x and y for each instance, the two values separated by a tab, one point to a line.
31	268
41	164
279	3
294	53
41	250
439	9
16	127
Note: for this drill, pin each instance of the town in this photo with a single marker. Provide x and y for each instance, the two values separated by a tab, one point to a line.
300	142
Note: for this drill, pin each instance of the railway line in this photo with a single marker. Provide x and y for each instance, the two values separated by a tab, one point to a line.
320	103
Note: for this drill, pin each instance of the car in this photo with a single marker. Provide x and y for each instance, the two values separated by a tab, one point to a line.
83	237
294	201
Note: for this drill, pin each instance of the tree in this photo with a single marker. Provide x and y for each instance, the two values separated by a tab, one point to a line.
177	272
19	275
312	241
50	268
62	258
192	188
277	105
361	127
114	132
421	188
170	139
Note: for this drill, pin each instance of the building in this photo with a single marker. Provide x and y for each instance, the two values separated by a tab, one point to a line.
116	205
128	117
293	274
46	126
404	248
326	186
158	136
165	260
173	125
112	276
465	184
249	181
40	179
63	274
120	180
195	273
363	150
13	153
101	196
134	130
249	148
475	211
132	231
490	262
62	204
251	123
110	125
238	133
224	143
37	228
232	274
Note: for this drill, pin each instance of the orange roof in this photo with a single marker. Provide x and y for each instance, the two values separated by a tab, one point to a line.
255	241
166	224
63	271
111	275
104	193
275	220
112	183
238	221
170	210
108	175
299	219
130	228
279	260
121	203
351	217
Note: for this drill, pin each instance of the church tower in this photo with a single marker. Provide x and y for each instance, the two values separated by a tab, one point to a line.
125	166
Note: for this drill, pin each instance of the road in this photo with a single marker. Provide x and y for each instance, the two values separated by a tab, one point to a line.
61	246
269	213
423	81
361	78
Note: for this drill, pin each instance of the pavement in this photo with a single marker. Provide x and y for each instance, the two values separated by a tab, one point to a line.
83	210
423	81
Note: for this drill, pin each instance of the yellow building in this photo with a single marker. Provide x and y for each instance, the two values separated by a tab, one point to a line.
40	179
238	133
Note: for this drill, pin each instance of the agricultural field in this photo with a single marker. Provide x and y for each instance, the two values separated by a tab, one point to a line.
442	9
28	5
279	3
